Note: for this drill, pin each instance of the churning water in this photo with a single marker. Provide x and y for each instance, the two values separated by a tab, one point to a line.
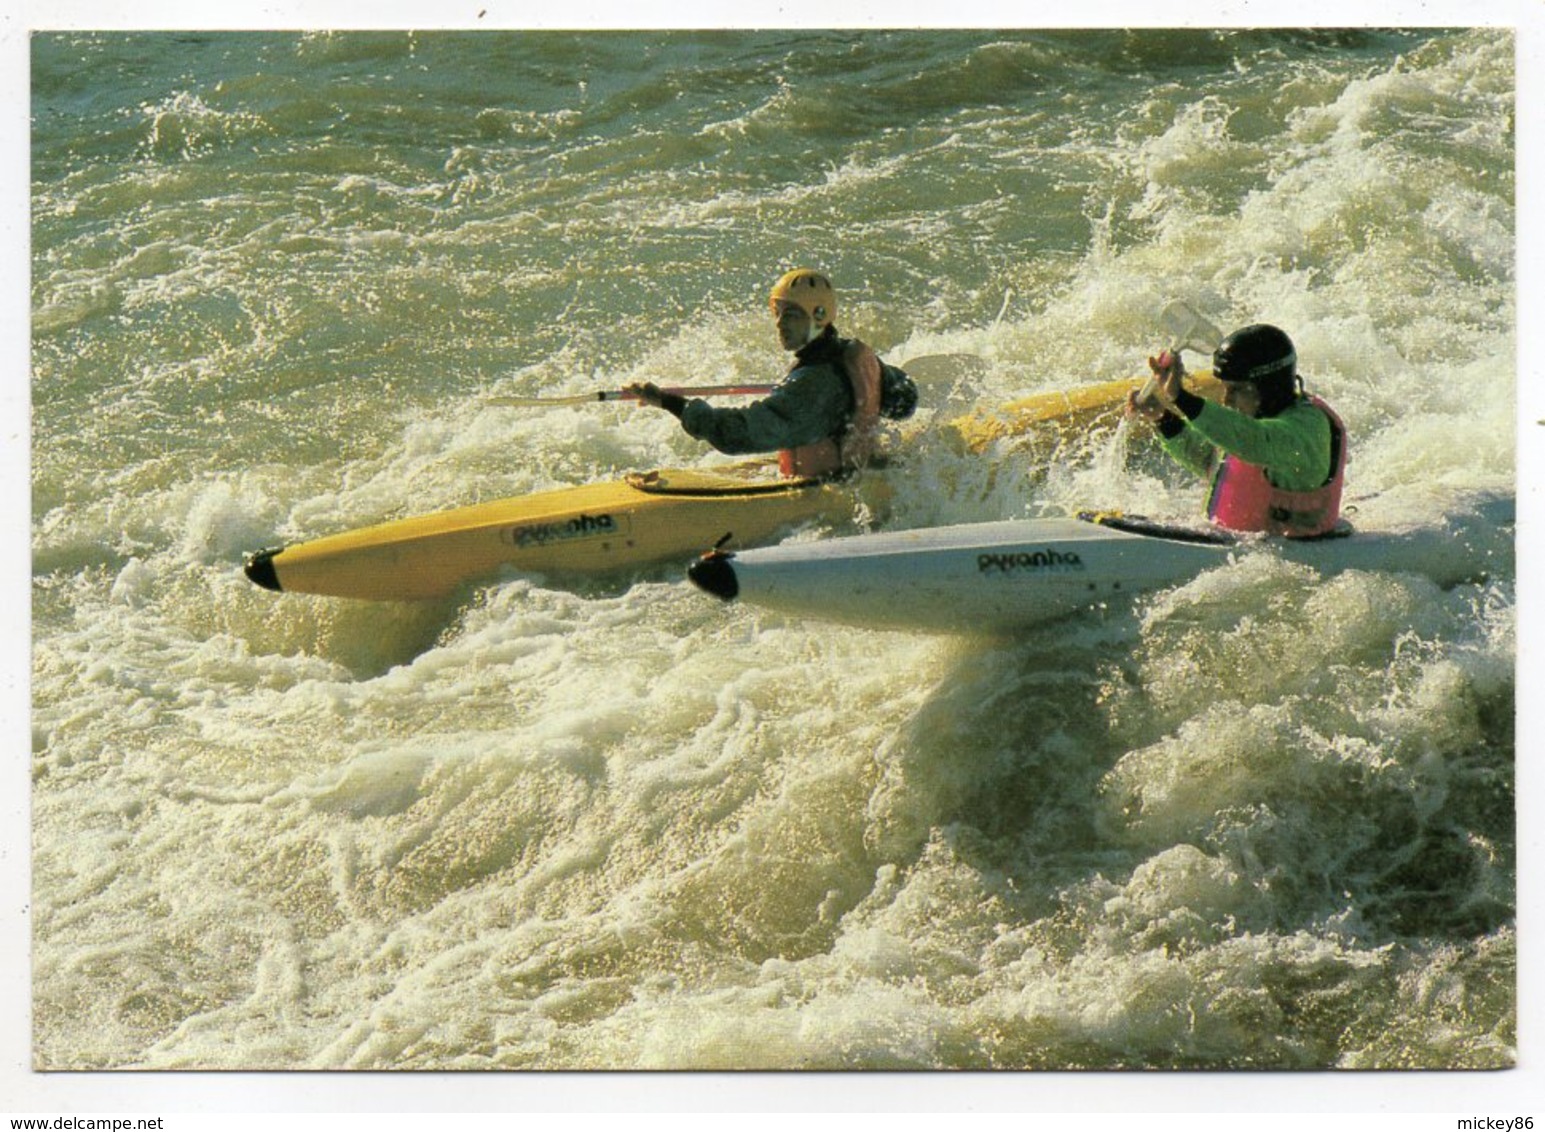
1262	820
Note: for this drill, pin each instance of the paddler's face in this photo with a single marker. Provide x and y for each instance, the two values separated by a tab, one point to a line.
793	325
1242	396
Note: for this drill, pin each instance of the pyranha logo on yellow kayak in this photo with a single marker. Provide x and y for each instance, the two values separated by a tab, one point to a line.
540	534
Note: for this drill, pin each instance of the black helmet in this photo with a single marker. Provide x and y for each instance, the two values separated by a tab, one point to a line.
1259	353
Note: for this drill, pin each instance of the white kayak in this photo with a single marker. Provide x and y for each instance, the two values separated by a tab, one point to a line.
992	578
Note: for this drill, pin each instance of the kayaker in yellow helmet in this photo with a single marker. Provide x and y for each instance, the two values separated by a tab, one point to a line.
1276	455
823	417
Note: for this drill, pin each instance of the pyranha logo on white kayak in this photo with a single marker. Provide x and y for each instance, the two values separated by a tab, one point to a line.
540	534
1037	560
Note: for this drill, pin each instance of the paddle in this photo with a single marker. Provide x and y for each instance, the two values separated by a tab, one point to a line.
1188	330
944	367
625	395
1075	408
928	367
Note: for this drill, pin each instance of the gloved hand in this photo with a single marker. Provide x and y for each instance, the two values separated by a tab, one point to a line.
1168	374
647	392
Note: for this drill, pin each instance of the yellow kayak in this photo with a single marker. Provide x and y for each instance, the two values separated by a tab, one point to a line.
641	520
1073	409
595	529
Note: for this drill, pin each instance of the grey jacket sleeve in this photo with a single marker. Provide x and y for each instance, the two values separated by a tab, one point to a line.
811	404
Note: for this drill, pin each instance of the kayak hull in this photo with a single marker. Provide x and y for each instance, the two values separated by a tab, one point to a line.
642	520
992	578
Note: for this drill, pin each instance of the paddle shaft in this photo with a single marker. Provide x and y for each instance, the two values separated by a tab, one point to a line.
928	367
626	395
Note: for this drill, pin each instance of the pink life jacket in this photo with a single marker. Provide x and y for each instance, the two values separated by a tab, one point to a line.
1243	499
854	446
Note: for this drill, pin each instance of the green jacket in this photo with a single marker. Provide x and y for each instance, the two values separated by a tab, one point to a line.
812	403
1294	447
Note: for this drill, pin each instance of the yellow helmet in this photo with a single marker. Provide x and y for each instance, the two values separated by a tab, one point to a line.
810	291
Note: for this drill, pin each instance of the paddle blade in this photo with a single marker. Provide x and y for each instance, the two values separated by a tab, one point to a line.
534	402
944	367
1188	329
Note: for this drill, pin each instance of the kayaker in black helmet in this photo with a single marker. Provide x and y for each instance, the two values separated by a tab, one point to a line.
1277	456
822	419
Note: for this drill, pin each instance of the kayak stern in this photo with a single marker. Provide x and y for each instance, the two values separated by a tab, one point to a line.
713	573
259	568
